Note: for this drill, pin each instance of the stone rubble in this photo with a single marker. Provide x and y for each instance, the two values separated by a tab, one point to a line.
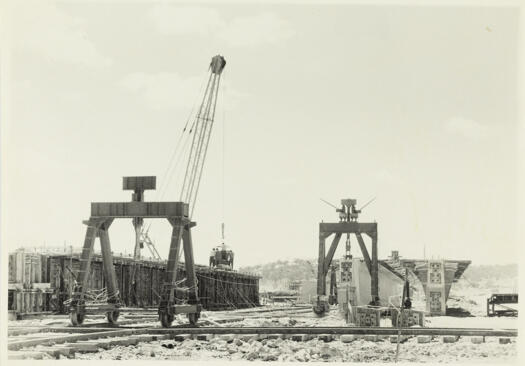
287	350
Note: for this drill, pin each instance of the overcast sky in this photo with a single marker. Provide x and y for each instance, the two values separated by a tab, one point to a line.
416	106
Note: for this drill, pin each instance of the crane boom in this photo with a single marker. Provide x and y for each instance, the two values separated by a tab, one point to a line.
202	127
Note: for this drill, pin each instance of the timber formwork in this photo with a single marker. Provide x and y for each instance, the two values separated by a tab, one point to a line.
217	289
42	282
28	287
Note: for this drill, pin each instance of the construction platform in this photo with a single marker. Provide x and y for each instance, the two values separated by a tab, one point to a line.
40	283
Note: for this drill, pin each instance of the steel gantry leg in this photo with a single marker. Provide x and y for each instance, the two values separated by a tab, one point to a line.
375	269
321	302
191	279
76	310
167	301
95	228
371	265
321	283
109	270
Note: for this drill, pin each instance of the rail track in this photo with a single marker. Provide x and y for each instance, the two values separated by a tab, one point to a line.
151	316
65	340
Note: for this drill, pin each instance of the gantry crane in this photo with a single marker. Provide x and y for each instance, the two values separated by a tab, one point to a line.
348	224
178	214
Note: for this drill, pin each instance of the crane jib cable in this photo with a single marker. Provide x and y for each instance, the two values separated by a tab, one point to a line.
177	154
201	138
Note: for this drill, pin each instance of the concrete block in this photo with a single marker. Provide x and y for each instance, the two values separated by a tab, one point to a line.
122	342
83	347
247	337
424	339
58	351
142	338
203	337
226	337
347	338
325	337
367	317
477	340
181	337
299	337
11	315
274	336
450	339
371	338
24	355
260	337
402	339
99	343
407	318
160	337
504	340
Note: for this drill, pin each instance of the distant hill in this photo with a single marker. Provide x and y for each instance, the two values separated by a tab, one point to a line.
277	275
496	278
493	271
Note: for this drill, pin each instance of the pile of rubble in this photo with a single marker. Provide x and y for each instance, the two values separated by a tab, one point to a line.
273	348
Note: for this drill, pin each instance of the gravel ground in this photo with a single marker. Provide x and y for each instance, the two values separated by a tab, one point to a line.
231	348
220	348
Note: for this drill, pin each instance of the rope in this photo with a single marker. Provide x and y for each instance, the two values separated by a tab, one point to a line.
203	143
95	296
164	184
223	144
231	282
223	293
246	299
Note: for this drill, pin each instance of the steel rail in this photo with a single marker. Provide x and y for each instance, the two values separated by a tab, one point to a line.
111	332
340	330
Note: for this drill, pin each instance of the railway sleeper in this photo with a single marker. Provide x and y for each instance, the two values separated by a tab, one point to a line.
450	339
83	347
57	351
402	338
22	355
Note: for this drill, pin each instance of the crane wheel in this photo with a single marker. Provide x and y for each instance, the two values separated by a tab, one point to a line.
193	317
76	318
319	309
166	320
113	316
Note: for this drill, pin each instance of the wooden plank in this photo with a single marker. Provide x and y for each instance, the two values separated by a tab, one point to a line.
72	338
24	355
